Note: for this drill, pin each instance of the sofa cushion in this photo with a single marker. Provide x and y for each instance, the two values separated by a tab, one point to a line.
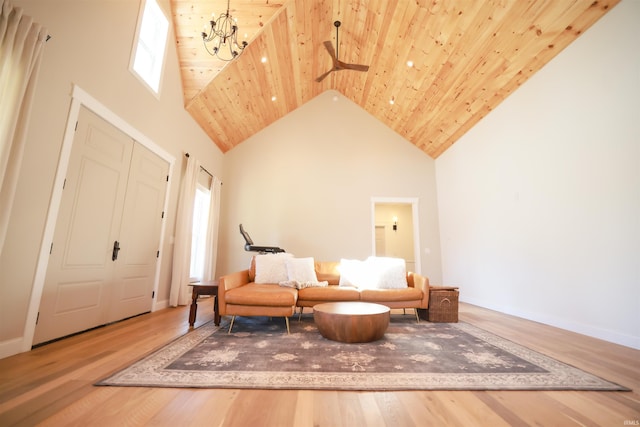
301	270
262	295
389	295
329	294
271	268
328	271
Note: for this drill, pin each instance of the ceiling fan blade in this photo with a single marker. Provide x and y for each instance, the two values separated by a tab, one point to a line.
322	77
332	52
356	67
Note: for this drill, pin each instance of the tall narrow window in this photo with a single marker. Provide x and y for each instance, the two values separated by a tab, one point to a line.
150	46
199	233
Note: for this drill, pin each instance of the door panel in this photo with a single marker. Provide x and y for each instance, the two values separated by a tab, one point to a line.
139	235
73	297
76	294
96	202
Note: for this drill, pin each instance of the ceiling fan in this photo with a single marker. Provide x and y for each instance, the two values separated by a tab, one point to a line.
337	64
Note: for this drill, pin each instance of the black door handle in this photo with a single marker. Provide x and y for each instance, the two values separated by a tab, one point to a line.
116	249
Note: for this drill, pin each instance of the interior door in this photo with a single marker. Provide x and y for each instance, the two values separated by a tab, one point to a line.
104	255
139	237
381	240
77	291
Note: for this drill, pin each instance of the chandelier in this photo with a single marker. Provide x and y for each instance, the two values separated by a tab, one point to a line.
222	36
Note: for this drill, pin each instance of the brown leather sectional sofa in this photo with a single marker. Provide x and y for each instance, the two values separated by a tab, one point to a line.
239	295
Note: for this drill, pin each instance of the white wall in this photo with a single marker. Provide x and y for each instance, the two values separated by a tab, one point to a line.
540	202
90	47
305	184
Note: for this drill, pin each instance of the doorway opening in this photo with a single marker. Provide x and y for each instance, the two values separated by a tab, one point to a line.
395	230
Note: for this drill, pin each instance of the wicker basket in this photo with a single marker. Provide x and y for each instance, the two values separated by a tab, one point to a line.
443	305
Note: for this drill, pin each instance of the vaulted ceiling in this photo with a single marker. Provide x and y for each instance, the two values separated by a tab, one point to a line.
467	55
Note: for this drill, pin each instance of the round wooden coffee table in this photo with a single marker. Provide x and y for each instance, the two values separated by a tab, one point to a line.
351	322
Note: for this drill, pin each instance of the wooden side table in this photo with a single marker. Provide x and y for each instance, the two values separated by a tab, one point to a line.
204	288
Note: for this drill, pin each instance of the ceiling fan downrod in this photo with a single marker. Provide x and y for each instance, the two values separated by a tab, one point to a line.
337	25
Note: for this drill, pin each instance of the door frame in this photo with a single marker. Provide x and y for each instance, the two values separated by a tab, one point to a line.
80	98
413	201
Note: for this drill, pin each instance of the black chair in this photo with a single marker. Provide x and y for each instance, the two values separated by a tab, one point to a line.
250	247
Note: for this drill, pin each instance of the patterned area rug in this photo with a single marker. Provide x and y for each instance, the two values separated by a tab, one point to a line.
425	356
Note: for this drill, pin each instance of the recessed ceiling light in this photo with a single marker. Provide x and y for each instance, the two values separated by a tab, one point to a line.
409	63
263	59
273	98
392	100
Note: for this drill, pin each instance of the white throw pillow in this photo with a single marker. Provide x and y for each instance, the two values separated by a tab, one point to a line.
386	273
272	268
351	272
301	270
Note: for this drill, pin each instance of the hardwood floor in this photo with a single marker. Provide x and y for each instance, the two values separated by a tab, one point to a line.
53	385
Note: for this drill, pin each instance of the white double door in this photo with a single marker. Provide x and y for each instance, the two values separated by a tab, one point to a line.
105	250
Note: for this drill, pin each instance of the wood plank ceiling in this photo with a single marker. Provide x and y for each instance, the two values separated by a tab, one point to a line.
468	55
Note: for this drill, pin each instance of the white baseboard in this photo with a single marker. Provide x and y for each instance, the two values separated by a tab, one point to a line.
11	347
580	328
15	345
160	305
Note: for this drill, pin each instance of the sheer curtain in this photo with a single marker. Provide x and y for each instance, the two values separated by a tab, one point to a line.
21	46
212	230
179	293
